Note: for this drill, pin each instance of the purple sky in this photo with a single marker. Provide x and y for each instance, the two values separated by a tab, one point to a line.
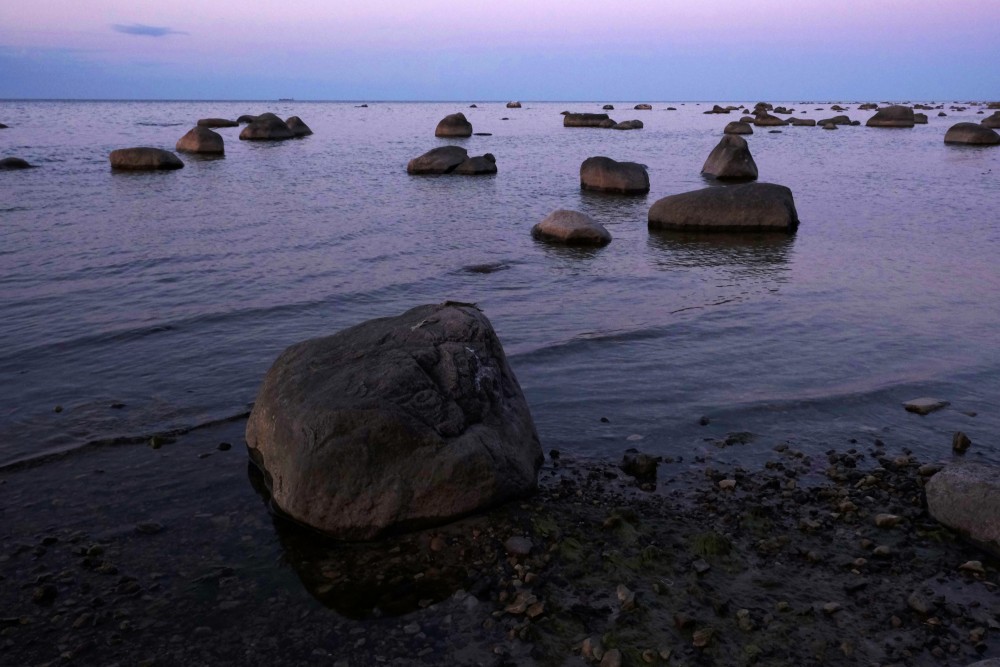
501	49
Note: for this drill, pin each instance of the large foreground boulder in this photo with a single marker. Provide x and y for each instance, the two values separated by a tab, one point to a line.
395	423
966	498
971	134
217	122
571	228
602	174
11	163
453	125
201	140
894	116
731	160
753	207
586	120
267	127
298	127
144	159
441	160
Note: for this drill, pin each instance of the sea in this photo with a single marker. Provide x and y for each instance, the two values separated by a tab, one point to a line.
137	304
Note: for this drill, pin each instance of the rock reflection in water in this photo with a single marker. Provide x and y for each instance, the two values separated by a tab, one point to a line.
759	255
390	577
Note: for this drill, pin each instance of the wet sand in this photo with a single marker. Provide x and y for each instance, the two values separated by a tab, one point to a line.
169	556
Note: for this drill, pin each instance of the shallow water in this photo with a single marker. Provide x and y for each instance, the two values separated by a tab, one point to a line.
171	293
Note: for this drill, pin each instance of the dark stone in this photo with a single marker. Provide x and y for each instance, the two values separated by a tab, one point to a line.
757	207
144	159
267	127
731	160
218	122
201	140
14	163
971	134
603	174
441	160
298	127
585	119
453	125
894	116
571	228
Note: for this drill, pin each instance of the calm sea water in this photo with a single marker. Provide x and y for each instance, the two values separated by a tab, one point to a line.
172	293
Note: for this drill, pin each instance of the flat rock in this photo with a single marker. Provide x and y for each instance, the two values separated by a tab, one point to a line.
395	423
923	406
971	134
201	140
754	207
966	498
894	116
731	160
217	122
602	174
571	228
441	160
144	159
453	125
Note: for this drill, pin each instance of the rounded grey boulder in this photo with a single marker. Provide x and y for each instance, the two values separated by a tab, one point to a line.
755	207
602	174
453	125
267	127
894	116
201	140
571	228
395	423
731	160
737	127
217	122
144	159
298	127
441	160
12	163
966	498
971	134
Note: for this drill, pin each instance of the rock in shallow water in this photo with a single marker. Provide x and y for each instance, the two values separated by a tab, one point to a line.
754	207
602	174
201	140
454	125
571	228
144	159
971	134
394	423
731	160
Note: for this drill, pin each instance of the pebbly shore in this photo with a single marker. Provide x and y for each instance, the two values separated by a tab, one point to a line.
169	555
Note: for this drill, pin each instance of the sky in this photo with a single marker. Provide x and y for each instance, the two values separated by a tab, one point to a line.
468	50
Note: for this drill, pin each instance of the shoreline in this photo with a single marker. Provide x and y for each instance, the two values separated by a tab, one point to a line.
169	556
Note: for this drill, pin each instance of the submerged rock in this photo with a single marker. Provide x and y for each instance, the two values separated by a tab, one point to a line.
201	140
218	122
966	498
731	160
602	174
754	207
571	228
394	423
894	116
11	163
144	159
971	134
453	125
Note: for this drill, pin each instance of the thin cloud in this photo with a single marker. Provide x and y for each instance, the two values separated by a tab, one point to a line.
145	30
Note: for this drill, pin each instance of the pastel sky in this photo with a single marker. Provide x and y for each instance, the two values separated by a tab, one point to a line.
500	49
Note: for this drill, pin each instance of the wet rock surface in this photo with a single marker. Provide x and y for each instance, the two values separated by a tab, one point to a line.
786	566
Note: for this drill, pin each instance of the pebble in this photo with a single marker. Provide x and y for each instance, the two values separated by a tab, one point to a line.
612	658
831	608
974	566
518	546
727	484
918	603
626	597
960	442
887	520
702	637
882	551
634	437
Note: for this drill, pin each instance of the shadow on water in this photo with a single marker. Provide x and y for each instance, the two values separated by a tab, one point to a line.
393	576
751	254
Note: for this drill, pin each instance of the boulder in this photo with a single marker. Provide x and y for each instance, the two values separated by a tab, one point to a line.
894	116
966	498
11	163
201	140
608	107
585	119
473	106
218	122
764	119
717	109
607	124
628	125
757	207
992	122
829	126
971	134
298	127
245	118
738	127
453	125
919	119
602	174
267	129
731	160
395	423
802	122
643	107
571	228
513	105
441	160
3	127
477	166
868	106
836	120
144	159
